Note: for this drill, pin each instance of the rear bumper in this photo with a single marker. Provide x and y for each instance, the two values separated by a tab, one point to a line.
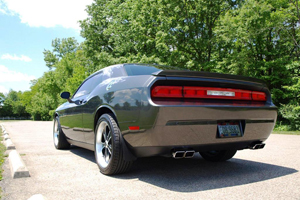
195	128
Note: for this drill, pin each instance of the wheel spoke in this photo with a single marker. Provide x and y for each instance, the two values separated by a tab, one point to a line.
105	155
108	155
109	149
108	137
104	134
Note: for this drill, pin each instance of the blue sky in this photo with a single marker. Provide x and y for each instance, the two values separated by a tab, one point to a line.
26	29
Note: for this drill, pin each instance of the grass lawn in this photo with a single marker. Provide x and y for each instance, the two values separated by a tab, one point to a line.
2	150
14	120
287	132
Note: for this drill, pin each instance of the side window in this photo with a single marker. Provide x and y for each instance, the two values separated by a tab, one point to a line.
88	85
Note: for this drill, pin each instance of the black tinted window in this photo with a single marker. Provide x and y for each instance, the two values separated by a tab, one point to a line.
89	85
134	70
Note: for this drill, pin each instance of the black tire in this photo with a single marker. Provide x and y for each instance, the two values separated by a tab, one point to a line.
108	147
217	156
59	138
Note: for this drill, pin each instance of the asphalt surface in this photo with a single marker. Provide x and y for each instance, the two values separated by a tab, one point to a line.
270	173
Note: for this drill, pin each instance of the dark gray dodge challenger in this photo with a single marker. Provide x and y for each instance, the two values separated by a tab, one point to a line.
127	111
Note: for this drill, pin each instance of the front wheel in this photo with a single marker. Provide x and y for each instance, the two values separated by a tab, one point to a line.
216	156
59	138
108	147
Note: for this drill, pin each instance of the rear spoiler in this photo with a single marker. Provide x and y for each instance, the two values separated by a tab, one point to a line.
200	74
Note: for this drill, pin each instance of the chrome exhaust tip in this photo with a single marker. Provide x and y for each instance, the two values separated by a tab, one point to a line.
258	146
178	154
183	154
189	154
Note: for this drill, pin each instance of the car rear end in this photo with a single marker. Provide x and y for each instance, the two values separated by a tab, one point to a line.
196	111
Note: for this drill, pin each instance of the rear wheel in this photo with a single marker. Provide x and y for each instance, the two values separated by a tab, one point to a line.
108	147
216	156
59	138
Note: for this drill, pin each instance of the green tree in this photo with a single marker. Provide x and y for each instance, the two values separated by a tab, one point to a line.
61	47
67	71
261	39
172	32
12	105
2	98
5	110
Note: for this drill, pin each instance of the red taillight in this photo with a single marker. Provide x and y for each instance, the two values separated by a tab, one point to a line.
243	94
167	91
259	96
207	93
194	92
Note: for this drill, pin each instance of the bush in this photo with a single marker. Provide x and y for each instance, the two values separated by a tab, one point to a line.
291	112
51	113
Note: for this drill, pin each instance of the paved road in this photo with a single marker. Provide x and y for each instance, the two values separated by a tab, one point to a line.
270	173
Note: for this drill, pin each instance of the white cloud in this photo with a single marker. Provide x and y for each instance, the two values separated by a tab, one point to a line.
3	11
13	76
47	13
3	89
14	57
3	8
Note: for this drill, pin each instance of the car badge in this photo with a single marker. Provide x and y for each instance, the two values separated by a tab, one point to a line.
110	84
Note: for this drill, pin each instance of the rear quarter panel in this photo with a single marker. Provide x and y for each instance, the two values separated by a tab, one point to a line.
123	95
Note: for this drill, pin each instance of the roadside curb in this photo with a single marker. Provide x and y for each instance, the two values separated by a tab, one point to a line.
6	140
37	197
16	164
6	136
9	145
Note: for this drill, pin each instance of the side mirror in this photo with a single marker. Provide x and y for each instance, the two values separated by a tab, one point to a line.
66	95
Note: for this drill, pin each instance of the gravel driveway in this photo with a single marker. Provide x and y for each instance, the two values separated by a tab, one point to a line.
270	173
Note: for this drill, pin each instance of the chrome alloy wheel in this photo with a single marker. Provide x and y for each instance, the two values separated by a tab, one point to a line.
103	144
56	133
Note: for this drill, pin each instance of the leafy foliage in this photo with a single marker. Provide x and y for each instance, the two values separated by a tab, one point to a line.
61	47
69	72
172	32
11	105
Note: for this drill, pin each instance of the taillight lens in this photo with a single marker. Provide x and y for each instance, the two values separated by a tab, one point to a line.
206	93
167	91
194	92
259	96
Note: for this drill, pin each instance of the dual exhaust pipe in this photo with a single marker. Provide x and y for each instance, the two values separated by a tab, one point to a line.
257	146
183	154
191	153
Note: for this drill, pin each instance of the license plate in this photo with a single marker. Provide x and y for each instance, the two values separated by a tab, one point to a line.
229	129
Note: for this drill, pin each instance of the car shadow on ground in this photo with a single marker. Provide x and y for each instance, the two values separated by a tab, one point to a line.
196	174
84	153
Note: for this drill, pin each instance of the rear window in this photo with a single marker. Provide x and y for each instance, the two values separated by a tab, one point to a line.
135	70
